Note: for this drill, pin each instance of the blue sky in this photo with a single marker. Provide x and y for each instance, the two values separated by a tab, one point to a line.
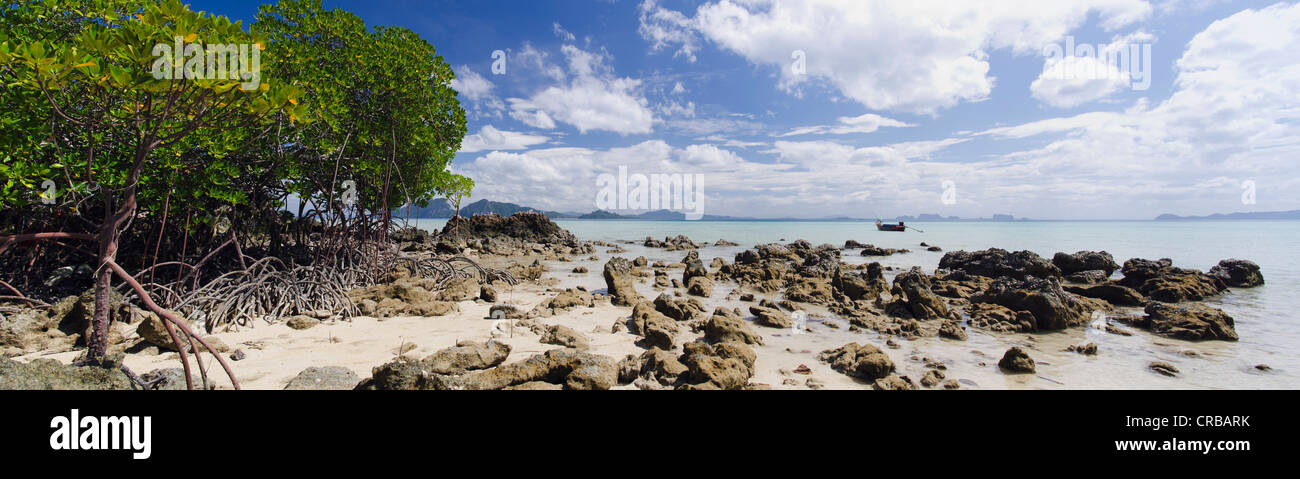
895	100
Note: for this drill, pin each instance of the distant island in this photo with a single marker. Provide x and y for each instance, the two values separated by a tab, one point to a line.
1254	215
440	208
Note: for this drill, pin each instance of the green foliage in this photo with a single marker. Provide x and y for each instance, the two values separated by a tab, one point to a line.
83	106
112	122
389	119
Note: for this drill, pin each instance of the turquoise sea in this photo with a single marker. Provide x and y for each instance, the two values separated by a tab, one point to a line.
1267	318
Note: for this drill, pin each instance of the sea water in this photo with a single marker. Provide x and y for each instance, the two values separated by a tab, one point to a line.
1266	317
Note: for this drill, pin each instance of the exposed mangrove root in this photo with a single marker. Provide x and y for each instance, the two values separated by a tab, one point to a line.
171	321
269	289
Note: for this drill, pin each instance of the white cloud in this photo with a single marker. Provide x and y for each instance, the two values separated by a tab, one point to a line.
476	93
470	84
490	138
527	112
1068	81
588	96
1233	114
1073	81
562	33
664	28
866	123
673	108
902	55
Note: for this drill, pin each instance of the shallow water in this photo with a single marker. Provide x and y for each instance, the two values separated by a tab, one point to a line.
1266	317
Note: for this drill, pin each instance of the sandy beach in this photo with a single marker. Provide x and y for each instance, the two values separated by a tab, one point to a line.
271	355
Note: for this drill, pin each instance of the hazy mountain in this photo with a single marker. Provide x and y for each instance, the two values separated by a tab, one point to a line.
602	215
1254	215
442	209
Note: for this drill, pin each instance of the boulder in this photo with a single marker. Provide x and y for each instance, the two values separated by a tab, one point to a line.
1111	293
820	262
565	336
694	268
459	289
73	314
1192	322
700	286
952	330
566	367
914	298
1160	281
1238	273
467	356
728	328
1049	306
521	227
893	382
324	378
1093	276
533	271
154	332
506	311
662	367
718	366
932	378
771	317
299	322
1085	261
994	263
1016	360
862	361
994	317
618	279
872	250
571	298
678	309
680	242
657	329
51	374
859	285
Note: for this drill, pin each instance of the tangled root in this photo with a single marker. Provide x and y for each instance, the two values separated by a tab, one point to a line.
268	289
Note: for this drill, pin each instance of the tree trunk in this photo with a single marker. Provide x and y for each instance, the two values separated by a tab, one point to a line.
97	343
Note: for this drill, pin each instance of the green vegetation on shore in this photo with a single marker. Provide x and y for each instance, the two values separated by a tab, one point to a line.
107	164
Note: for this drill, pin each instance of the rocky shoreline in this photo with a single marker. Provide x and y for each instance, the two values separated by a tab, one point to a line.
662	323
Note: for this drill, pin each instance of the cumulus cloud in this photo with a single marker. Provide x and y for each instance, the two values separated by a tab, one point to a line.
904	55
587	95
664	28
1070	79
1232	115
490	138
476	93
